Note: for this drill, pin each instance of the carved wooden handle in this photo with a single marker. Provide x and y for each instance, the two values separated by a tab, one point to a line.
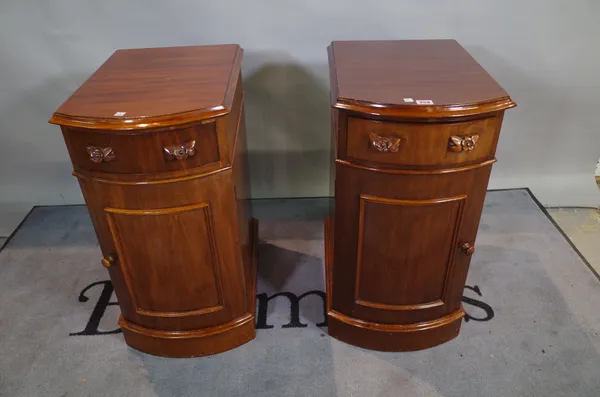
109	260
384	143
467	249
100	154
180	152
463	143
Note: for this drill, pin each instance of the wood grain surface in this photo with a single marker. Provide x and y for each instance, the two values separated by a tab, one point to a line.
154	87
381	77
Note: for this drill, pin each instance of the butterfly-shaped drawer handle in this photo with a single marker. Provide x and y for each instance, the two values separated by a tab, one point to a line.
384	143
463	143
100	154
180	152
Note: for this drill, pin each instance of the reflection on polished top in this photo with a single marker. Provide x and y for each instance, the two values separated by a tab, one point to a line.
154	87
420	78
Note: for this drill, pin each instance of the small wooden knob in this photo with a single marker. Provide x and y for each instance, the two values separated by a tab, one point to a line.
467	248
109	260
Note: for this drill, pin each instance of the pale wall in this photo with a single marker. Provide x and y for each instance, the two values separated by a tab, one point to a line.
544	53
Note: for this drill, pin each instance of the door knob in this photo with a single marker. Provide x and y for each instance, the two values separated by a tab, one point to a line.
467	249
109	260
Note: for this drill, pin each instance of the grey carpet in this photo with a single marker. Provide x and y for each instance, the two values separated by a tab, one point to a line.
533	320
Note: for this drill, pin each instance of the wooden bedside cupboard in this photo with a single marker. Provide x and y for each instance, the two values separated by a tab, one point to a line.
157	141
415	128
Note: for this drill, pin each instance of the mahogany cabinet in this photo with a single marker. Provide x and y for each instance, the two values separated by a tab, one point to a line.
415	126
157	141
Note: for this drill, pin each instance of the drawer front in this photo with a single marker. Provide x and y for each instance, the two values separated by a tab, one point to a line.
153	152
427	145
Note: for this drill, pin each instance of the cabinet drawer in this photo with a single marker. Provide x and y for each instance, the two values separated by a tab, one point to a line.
421	144
152	152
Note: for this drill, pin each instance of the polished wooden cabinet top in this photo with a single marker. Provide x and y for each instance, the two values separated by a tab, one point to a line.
412	78
155	87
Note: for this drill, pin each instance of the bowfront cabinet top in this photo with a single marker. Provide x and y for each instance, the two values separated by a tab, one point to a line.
155	87
411	78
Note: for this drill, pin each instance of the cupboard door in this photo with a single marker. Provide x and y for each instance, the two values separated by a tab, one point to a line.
170	249
406	251
175	250
403	242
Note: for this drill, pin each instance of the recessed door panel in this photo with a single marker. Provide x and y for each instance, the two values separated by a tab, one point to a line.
405	251
169	249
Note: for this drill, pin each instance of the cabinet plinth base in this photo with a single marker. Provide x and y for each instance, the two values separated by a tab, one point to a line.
394	337
193	343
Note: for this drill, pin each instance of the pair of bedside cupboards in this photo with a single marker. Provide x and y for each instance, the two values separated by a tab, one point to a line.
158	145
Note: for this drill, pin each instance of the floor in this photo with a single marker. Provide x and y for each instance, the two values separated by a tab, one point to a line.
11	215
582	227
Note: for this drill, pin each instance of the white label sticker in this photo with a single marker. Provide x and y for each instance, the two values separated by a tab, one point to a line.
408	100
119	114
424	102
